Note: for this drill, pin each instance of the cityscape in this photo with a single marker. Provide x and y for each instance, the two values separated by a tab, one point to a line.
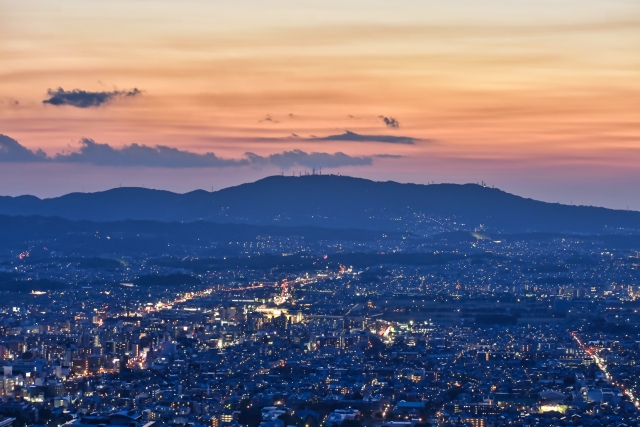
336	213
443	328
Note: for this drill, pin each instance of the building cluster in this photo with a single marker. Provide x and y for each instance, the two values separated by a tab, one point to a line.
205	361
442	333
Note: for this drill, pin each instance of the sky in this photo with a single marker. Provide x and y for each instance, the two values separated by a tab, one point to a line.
540	99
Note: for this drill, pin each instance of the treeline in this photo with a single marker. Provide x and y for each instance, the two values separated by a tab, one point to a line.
20	284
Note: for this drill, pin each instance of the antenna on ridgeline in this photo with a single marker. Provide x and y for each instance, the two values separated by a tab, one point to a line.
320	169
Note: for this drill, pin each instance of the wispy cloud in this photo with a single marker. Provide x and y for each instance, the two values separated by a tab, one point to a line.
354	137
349	136
85	99
10	102
390	122
268	118
161	156
389	156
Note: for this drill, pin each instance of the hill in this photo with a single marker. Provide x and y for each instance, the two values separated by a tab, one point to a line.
44	236
334	202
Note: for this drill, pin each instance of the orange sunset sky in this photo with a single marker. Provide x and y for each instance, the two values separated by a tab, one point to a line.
541	99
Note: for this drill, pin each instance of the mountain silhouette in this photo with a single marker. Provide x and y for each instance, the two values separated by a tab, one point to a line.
335	202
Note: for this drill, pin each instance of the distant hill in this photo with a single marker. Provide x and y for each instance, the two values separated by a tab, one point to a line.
43	236
334	202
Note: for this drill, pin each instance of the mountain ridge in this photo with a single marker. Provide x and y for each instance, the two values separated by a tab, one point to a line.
332	201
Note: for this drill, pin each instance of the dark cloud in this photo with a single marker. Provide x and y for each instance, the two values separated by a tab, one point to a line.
292	158
351	136
142	155
12	152
84	99
268	119
161	156
390	122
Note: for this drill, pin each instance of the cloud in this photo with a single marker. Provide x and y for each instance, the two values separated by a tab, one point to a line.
94	153
12	152
268	118
389	156
10	102
84	99
351	136
292	158
390	122
161	156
